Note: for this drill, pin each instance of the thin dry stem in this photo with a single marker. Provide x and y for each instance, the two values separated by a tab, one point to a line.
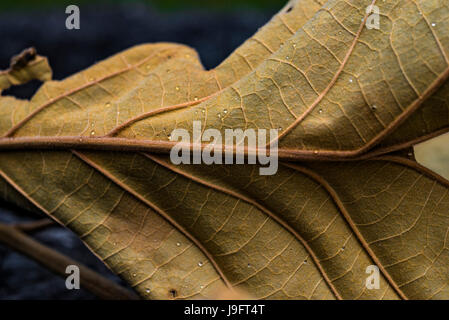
16	239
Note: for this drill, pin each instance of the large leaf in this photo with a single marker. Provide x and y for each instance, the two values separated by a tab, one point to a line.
337	91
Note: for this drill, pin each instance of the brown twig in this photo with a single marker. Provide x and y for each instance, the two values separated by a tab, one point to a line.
34	225
103	288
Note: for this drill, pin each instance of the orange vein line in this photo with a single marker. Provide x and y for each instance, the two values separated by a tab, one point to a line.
123	144
11	131
142	116
330	85
22	192
160	212
437	40
260	207
401	146
345	213
415	166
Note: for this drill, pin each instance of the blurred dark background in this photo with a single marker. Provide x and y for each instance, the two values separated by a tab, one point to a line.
213	27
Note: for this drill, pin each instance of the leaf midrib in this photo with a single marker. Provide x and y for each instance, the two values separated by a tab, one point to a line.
160	146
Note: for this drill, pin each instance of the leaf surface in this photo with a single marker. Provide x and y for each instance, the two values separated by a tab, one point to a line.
335	89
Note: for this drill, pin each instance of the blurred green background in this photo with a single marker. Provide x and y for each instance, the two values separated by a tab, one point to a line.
163	5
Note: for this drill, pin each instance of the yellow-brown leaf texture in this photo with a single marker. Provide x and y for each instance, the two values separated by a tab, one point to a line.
349	102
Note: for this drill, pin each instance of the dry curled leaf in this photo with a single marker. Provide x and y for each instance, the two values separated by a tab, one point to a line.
349	102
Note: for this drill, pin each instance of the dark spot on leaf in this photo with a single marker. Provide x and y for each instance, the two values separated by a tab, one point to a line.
173	293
